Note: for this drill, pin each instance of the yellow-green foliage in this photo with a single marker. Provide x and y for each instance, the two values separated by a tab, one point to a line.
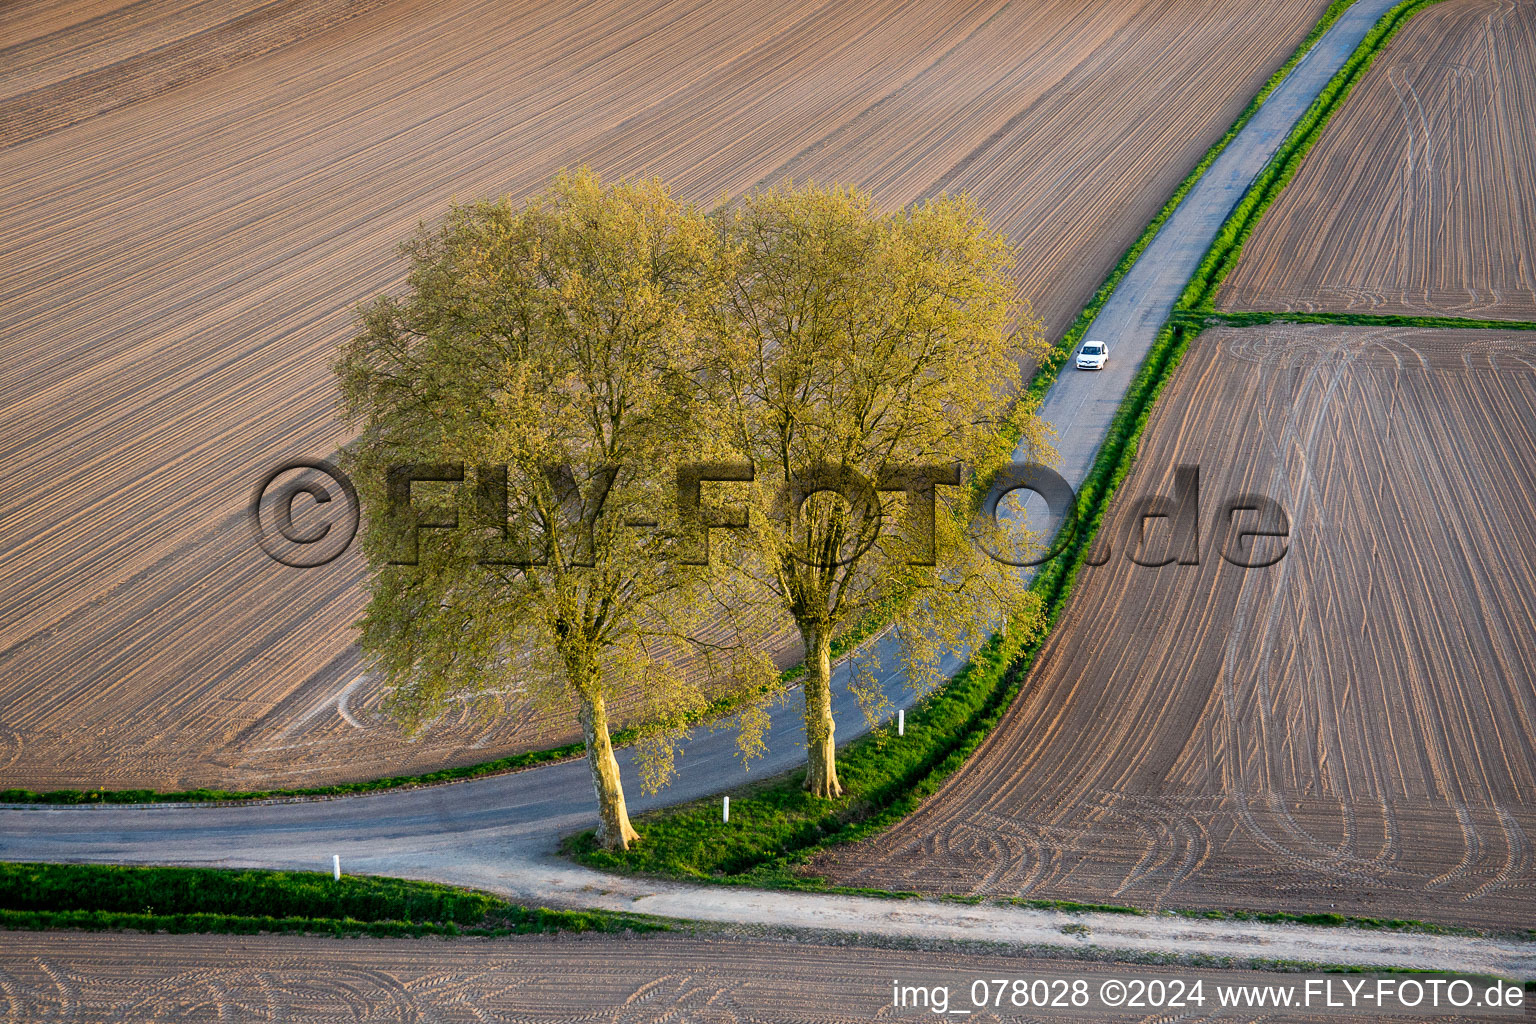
870	355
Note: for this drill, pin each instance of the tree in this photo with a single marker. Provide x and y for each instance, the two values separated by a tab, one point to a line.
877	364
533	389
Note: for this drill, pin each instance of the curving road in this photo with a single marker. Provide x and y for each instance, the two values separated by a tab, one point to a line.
501	833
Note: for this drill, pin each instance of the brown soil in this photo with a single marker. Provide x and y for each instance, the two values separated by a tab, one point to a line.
259	978
1420	197
176	271
1352	729
69	62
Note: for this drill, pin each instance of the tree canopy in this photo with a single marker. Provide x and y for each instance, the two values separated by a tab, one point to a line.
875	377
543	409
534	388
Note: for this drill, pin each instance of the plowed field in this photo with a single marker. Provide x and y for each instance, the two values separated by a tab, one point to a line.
192	204
1420	196
1351	729
269	978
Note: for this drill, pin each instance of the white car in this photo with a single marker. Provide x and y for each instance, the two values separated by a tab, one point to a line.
1092	356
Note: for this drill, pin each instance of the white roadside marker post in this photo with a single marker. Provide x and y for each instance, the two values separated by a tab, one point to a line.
901	721
336	866
725	813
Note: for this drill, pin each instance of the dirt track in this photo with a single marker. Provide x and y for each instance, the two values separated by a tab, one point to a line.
198	977
1351	729
176	270
1420	197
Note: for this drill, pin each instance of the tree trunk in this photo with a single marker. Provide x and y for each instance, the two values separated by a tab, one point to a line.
613	829
820	749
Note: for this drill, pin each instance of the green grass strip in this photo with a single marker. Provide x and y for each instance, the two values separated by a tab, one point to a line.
775	820
1223	255
775	825
206	795
1333	920
108	897
1211	318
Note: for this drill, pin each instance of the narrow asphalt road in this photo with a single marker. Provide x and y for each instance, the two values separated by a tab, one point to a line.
501	833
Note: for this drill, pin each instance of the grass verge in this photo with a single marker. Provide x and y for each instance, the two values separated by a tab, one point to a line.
1332	920
1211	318
775	823
775	826
216	796
108	897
